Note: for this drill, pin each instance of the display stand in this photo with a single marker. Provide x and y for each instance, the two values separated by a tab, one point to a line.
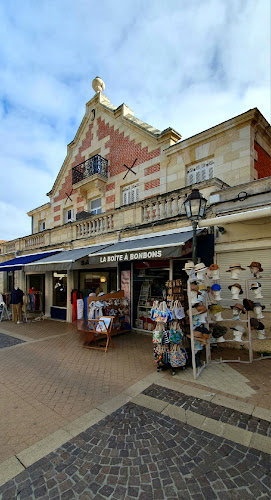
118	321
99	330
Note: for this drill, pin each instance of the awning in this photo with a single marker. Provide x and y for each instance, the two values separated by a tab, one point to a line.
154	247
17	263
64	261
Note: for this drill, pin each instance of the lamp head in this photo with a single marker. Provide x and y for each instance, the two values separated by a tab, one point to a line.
195	205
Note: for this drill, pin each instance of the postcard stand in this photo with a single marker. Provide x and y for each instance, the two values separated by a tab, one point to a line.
99	330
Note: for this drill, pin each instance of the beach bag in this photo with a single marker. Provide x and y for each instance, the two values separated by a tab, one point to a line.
177	357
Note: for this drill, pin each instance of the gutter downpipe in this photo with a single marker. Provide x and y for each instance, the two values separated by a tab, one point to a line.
241	216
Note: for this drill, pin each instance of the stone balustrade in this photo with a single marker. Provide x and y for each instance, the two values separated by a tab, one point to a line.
163	207
34	241
98	225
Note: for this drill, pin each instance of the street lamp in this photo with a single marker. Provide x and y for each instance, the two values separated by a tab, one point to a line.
195	205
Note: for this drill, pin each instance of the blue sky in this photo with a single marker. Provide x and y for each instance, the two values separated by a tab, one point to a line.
188	64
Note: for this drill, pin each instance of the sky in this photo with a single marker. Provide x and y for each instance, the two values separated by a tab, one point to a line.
185	64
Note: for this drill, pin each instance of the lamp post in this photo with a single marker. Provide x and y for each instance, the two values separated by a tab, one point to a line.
195	205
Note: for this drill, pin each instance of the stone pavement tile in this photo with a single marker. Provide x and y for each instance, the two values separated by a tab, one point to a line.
114	403
186	389
233	403
237	435
82	423
262	413
261	443
43	447
175	412
148	402
213	426
136	453
9	469
137	388
195	419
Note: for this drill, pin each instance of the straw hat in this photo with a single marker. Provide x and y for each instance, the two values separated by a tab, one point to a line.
200	267
213	267
235	266
256	264
201	309
203	287
194	311
194	288
237	286
189	266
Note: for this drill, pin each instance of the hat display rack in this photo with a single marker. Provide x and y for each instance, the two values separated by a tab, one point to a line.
249	307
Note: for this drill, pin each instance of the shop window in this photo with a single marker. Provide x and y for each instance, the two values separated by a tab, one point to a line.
42	225
130	194
60	289
96	206
69	215
10	281
94	282
201	172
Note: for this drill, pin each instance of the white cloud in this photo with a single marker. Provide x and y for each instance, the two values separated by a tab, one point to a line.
188	64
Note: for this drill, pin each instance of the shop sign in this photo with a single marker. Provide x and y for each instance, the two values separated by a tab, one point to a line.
130	256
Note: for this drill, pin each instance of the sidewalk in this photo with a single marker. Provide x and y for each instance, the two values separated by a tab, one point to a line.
52	390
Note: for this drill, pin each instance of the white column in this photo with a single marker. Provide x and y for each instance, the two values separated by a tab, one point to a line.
70	286
48	298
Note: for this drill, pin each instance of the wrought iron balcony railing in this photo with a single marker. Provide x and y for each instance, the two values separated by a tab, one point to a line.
95	165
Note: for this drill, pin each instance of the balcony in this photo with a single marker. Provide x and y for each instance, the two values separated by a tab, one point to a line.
91	173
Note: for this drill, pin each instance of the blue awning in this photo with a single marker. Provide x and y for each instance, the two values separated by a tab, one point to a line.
17	263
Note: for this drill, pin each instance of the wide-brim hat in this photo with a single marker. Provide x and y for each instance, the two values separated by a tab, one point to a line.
257	304
219	331
216	287
238	328
201	309
200	267
202	287
232	267
189	266
240	307
194	288
256	264
194	311
213	267
260	326
254	323
248	304
255	285
215	309
237	285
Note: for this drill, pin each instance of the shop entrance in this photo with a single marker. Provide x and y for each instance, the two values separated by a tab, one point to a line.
149	280
36	283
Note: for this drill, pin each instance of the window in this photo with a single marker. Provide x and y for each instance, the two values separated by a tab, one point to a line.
69	215
96	206
200	172
41	225
130	194
60	289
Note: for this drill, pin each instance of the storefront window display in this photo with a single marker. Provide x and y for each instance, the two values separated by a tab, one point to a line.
149	280
59	289
97	281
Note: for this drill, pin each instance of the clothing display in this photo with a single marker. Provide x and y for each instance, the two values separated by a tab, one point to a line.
16	300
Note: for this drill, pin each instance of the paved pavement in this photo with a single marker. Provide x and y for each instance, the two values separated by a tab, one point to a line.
83	424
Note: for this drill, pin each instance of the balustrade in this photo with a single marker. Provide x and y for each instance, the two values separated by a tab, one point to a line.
161	208
34	241
98	225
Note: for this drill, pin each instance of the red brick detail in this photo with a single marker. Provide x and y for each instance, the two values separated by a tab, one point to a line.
80	199
263	164
56	218
67	184
152	169
110	186
122	149
110	199
57	208
152	184
80	209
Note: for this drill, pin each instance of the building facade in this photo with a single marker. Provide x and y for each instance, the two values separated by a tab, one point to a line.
120	192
